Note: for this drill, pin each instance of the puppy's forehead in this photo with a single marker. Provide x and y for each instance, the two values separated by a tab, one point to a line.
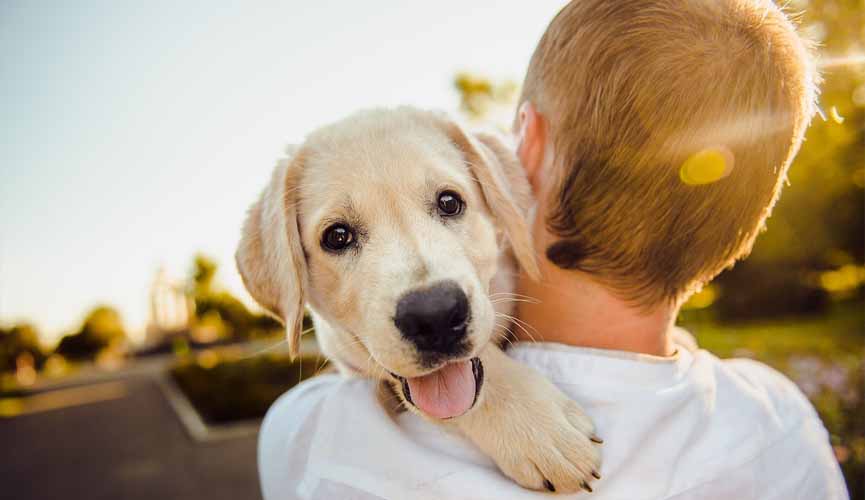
379	153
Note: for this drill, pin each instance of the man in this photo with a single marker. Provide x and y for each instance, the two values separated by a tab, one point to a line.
656	135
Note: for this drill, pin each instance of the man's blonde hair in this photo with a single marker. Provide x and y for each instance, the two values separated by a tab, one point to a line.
673	124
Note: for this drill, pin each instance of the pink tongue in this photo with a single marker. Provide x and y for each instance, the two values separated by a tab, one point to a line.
446	392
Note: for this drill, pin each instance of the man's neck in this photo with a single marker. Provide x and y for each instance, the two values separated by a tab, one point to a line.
570	308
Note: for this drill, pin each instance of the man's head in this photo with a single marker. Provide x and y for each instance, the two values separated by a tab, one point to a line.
657	135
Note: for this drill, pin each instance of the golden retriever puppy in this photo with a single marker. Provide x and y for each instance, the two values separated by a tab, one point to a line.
402	233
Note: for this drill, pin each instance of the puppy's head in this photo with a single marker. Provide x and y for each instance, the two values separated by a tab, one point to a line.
390	224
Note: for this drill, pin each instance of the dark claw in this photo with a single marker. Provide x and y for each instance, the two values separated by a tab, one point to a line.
548	485
586	486
595	474
596	439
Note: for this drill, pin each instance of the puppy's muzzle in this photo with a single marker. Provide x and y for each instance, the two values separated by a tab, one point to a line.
435	320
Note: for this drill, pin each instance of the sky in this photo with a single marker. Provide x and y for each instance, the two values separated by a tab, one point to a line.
136	134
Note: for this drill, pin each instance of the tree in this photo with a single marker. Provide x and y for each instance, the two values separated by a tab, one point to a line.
102	328
203	271
17	340
213	305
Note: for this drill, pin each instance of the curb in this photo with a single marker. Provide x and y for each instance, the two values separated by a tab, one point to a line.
195	426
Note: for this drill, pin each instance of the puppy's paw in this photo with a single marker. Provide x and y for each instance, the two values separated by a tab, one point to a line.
553	447
534	433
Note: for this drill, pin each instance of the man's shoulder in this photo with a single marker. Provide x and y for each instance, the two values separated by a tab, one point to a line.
304	401
289	431
330	437
769	430
746	384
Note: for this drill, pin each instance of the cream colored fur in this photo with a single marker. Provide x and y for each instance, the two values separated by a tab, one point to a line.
381	170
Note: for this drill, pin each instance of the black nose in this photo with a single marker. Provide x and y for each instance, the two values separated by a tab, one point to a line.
434	318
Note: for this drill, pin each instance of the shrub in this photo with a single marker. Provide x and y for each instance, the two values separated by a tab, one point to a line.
240	388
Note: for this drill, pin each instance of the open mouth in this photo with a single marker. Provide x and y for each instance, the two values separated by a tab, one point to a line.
447	392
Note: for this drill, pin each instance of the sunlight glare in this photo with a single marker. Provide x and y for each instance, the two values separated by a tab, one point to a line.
706	166
841	61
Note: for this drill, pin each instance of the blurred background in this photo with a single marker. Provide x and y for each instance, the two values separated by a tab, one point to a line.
135	135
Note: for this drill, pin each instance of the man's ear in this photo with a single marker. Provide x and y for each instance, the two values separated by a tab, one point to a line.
270	257
503	184
531	132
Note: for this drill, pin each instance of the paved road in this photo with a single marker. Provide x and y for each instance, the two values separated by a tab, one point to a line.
130	447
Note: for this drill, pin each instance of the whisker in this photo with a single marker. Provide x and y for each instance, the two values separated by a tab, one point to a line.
513	294
318	369
507	337
505	299
265	349
503	336
527	325
520	324
276	345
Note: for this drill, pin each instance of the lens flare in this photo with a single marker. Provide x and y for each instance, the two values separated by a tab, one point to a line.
706	166
831	62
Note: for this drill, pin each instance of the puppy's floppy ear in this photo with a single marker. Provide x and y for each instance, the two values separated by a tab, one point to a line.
504	186
270	257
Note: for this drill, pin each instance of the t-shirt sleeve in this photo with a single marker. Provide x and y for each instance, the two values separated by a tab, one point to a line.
800	464
285	436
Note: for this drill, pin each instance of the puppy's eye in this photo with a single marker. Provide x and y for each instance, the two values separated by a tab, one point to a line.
450	204
337	237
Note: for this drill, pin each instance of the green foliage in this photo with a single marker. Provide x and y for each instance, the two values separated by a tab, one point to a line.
102	328
240	322
237	389
203	272
17	340
221	310
819	223
483	99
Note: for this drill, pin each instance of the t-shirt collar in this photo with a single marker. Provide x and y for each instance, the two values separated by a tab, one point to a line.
569	364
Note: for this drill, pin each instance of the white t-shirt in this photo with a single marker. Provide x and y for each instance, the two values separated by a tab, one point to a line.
687	427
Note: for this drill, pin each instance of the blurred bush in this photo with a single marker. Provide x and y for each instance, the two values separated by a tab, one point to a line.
18	340
219	312
102	329
226	387
813	251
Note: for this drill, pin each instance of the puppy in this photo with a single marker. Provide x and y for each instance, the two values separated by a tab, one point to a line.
402	233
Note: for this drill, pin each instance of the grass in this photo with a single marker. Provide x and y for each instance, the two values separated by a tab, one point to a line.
836	335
